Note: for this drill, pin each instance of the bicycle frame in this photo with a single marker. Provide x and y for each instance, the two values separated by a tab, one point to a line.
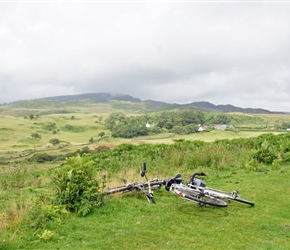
214	193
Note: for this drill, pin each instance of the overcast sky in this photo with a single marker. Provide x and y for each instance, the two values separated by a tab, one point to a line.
178	52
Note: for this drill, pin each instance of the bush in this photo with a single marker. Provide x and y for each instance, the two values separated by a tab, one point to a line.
54	141
41	158
77	185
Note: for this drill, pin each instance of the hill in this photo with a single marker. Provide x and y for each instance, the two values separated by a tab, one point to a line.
96	97
99	102
205	106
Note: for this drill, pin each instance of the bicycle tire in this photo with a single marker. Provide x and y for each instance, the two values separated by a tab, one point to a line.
207	201
244	201
197	196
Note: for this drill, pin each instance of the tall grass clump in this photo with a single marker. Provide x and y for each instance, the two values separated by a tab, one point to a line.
193	155
13	217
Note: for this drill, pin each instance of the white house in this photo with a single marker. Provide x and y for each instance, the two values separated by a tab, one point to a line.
221	126
202	128
148	125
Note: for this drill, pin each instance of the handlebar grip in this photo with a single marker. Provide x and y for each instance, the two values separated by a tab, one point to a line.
144	167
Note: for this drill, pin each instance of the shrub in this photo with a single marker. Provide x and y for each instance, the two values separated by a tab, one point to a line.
36	136
77	185
54	141
41	158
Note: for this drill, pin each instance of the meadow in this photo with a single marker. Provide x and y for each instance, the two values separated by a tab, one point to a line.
29	221
128	220
74	130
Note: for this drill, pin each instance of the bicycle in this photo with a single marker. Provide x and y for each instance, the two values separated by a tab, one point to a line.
196	183
196	191
193	195
146	187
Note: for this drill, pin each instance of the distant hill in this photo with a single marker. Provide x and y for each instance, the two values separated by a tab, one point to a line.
127	102
207	106
96	97
204	106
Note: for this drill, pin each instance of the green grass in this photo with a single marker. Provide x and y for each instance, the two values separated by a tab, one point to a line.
210	136
15	132
129	221
76	129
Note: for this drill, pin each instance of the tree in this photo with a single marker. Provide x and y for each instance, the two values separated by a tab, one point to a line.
102	134
190	129
115	118
191	117
168	125
36	136
129	130
100	118
177	130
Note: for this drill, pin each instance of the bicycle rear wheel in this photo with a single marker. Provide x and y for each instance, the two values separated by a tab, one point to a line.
207	201
198	196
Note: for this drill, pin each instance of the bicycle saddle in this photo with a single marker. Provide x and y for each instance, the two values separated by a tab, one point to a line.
176	179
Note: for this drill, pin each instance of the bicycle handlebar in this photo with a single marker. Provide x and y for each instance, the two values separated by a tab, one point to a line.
143	172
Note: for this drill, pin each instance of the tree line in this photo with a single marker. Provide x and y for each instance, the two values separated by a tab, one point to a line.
178	122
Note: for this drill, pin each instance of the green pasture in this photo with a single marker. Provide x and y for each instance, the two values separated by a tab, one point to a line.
75	130
129	221
210	136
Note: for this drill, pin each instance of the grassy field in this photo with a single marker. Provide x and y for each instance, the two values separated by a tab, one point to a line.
210	136
129	221
74	130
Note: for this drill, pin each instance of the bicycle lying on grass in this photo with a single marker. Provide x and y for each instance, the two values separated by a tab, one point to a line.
196	191
145	187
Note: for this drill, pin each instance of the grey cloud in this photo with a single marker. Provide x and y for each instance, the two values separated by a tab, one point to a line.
235	53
